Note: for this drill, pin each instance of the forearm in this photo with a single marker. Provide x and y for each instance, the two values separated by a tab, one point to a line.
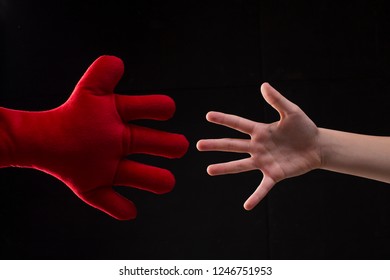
355	154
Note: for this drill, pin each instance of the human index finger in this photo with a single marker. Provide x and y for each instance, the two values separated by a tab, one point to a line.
232	121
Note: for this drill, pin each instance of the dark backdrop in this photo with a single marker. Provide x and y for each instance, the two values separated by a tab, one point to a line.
332	58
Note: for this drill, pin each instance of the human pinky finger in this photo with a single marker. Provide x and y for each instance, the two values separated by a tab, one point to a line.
144	177
262	190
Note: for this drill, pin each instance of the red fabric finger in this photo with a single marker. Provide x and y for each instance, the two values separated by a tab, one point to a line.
145	140
103	75
110	202
144	177
155	107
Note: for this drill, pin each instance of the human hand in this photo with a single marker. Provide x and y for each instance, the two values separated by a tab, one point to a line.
280	150
85	141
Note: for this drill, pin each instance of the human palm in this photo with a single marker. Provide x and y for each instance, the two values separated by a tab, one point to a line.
280	150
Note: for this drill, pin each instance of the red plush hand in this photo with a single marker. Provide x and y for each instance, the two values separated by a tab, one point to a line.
85	141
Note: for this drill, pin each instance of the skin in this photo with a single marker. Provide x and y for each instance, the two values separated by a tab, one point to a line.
293	146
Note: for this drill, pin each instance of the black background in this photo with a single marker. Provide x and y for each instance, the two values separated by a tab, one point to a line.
332	58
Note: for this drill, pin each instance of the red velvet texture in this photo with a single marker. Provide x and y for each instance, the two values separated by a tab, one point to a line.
86	141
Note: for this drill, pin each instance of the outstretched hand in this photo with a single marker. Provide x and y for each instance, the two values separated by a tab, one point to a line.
280	150
85	141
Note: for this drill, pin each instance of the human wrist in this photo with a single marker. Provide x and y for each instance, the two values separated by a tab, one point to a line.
325	147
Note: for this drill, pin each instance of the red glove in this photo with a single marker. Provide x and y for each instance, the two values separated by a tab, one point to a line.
85	141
